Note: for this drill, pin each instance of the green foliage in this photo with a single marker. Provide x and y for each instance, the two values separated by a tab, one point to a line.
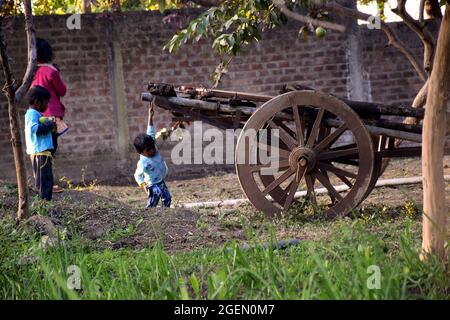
44	7
237	23
233	24
121	233
41	7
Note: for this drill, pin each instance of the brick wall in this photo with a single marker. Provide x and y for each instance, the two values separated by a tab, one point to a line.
86	56
390	75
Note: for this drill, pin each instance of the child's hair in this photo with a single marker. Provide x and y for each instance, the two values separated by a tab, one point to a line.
38	94
144	142
44	51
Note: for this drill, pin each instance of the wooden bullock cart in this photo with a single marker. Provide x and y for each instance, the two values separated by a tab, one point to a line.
323	140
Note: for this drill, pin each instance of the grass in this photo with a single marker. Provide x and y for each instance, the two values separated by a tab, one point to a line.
338	268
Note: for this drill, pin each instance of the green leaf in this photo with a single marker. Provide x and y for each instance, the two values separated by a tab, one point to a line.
193	27
162	5
230	21
183	289
195	285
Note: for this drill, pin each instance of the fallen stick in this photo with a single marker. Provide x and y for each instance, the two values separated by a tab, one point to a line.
300	194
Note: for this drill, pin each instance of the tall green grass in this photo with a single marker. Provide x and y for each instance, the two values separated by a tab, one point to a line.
333	268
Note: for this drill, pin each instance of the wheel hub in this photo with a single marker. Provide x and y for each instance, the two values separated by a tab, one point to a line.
302	157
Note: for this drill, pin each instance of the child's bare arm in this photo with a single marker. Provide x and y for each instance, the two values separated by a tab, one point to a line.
151	112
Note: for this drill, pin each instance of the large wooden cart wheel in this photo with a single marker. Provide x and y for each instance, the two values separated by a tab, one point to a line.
322	143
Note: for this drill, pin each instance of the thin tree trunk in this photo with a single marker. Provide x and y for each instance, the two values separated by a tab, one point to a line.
14	95
433	141
16	140
115	5
86	6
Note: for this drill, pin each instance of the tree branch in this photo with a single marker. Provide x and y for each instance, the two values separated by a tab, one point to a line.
422	32
208	3
393	38
32	54
421	8
86	6
299	17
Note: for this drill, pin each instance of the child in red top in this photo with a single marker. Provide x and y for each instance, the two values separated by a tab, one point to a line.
48	76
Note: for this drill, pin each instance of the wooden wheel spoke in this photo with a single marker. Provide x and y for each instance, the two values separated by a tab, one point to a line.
299	129
284	136
282	152
309	178
344	147
327	184
339	154
288	130
344	180
300	173
268	140
330	139
275	164
291	193
275	183
350	162
336	170
315	129
331	195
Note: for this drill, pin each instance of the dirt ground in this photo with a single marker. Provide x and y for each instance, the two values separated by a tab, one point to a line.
114	217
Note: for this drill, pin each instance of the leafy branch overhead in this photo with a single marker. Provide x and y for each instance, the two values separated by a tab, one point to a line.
233	24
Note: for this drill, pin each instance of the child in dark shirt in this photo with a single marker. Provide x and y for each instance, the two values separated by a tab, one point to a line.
39	142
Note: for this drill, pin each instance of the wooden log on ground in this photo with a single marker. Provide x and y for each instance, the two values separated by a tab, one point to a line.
301	194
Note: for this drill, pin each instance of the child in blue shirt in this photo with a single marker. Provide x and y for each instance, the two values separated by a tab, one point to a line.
151	168
38	139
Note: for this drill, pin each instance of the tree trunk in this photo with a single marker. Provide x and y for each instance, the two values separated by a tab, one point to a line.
14	95
86	6
19	161
115	6
433	141
16	140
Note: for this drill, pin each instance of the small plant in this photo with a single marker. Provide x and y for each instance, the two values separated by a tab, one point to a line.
122	233
411	210
41	207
